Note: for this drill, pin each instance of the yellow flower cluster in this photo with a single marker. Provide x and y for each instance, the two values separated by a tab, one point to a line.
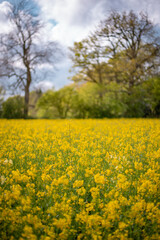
80	179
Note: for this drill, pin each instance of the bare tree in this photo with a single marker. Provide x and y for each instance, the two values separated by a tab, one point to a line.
21	50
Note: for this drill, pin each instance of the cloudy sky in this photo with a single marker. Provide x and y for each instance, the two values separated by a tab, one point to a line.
71	20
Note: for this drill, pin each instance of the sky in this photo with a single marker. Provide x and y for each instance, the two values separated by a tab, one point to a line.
68	21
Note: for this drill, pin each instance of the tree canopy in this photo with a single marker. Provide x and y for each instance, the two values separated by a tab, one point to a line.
125	49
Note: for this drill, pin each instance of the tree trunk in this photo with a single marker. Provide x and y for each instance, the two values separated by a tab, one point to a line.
26	101
26	97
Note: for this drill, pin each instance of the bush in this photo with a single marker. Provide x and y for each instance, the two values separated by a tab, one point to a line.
13	107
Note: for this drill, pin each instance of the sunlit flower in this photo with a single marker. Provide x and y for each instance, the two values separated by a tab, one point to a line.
3	179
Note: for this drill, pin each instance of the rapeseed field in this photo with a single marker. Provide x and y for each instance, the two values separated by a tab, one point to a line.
80	179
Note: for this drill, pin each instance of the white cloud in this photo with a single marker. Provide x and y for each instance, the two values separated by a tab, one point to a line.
44	85
4	22
76	18
44	66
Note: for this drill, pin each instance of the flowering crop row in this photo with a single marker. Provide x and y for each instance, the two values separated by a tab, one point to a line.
80	179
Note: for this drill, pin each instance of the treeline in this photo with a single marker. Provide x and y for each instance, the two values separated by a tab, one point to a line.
116	73
82	101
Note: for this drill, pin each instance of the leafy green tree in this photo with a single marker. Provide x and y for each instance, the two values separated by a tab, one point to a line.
2	92
87	58
110	106
144	100
57	104
135	103
13	107
152	88
81	101
34	97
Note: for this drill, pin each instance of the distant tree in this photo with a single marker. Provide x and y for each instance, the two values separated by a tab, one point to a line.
2	92
87	58
152	89
80	101
13	107
93	107
124	49
57	104
34	97
21	50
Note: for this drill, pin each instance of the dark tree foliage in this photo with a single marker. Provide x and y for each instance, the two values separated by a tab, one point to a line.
13	107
